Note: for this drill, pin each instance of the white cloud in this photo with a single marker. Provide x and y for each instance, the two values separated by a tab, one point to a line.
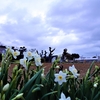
3	19
71	24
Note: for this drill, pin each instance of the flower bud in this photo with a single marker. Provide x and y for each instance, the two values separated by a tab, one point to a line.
95	84
57	66
87	73
19	96
1	83
66	71
43	70
96	67
5	88
15	68
42	75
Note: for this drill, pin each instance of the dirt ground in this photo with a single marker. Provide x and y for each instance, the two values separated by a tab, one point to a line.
81	67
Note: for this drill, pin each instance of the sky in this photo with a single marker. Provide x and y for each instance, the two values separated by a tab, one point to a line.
60	24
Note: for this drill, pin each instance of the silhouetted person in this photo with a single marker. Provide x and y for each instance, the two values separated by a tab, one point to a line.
63	58
66	55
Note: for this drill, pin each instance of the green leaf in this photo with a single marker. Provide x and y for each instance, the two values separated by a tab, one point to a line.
29	84
97	97
50	93
89	71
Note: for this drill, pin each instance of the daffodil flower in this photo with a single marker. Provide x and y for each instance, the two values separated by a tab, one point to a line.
15	53
28	54
63	97
60	77
34	53
24	62
37	59
74	71
57	67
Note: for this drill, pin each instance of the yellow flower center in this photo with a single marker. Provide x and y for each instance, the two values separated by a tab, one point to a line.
60	77
74	71
29	54
15	53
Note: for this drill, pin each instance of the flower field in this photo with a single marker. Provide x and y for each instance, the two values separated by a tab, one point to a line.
28	79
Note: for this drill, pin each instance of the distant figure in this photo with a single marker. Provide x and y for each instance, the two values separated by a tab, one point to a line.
66	55
51	53
63	58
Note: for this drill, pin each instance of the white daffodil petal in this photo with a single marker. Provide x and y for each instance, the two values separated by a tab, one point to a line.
15	53
74	71
23	62
37	60
60	77
63	97
28	55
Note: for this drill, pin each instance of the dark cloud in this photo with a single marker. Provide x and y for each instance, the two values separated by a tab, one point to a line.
82	17
71	24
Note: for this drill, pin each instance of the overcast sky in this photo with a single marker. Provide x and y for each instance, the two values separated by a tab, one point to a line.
40	24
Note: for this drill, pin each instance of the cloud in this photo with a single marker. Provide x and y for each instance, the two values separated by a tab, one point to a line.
81	17
71	24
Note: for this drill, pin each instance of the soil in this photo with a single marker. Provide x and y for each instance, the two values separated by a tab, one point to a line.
81	67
